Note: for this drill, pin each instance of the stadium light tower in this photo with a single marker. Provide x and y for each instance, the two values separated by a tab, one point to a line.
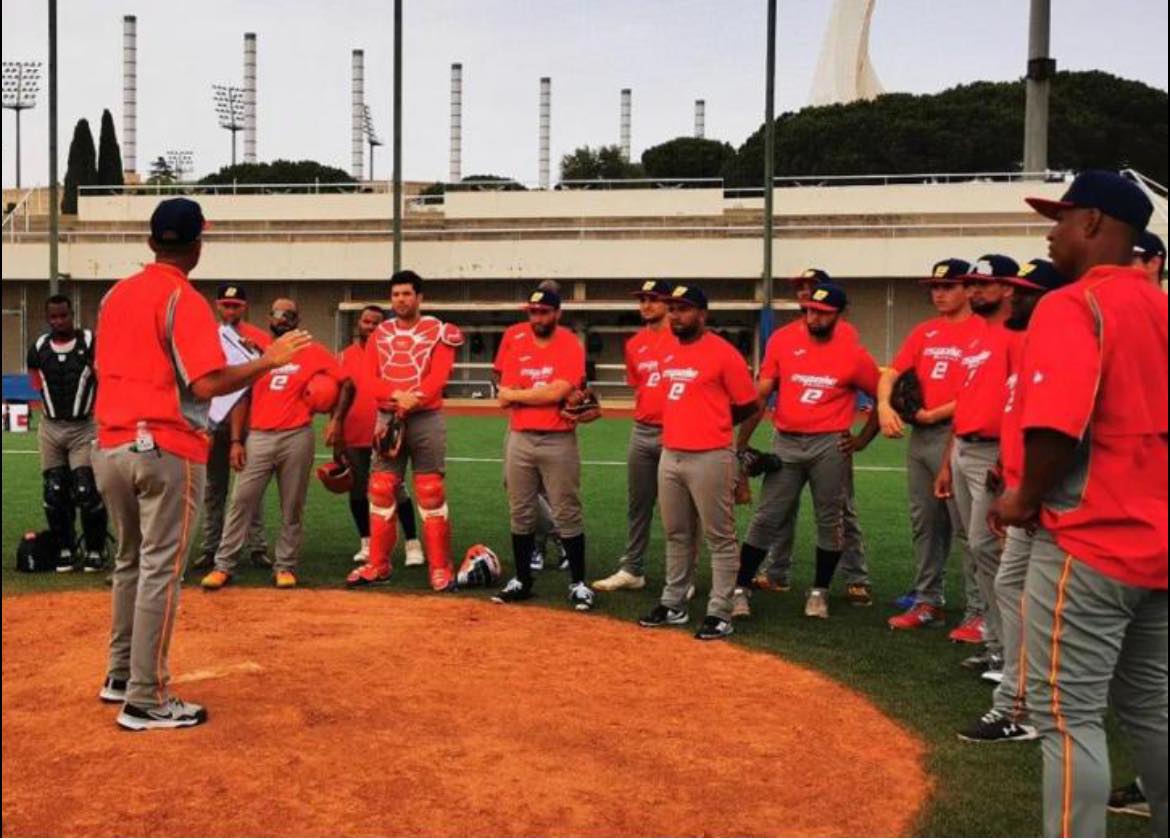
21	82
182	162
229	107
372	137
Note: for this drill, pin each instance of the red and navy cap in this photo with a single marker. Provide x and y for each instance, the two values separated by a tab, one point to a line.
654	288
947	272
1037	275
541	297
991	266
177	221
826	297
1149	245
690	294
1097	189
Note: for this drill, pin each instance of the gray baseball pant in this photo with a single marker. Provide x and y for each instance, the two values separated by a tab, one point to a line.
288	454
697	489
1093	641
642	456
970	463
1010	696
152	498
215	501
544	513
549	459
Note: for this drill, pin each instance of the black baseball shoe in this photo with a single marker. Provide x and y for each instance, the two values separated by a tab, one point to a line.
664	616
65	561
537	561
174	714
983	661
1130	800
994	727
581	597
113	690
93	562
513	592
714	629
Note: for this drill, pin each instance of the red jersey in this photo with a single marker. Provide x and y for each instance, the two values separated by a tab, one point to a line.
644	353
986	366
935	349
530	365
277	403
1095	369
518	334
817	381
703	380
358	429
254	334
158	336
1011	436
416	358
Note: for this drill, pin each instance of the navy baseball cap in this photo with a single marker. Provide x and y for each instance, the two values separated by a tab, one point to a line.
1149	245
992	266
690	294
1108	192
814	275
947	271
177	221
1037	275
540	297
231	292
654	288
826	297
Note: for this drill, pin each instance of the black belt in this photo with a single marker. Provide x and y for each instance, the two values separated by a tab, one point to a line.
977	438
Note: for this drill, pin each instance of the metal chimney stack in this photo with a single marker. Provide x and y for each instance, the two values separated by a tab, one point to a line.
129	93
1041	69
625	133
249	97
700	118
456	168
545	123
357	114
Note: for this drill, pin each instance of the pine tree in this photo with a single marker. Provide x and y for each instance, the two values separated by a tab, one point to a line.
109	167
82	168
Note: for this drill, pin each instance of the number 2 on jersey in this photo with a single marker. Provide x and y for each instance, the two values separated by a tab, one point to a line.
278	382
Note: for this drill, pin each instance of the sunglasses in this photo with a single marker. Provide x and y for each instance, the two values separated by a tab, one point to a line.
285	314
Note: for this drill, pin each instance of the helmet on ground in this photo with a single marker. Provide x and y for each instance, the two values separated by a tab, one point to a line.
481	567
337	477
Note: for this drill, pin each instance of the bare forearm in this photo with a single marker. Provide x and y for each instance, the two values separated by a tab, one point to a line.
230	379
1048	457
548	395
746	429
239	418
885	387
869	430
345	400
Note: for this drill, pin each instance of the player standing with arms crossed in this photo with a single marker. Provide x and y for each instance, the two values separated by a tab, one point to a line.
643	352
160	362
408	362
1094	403
709	392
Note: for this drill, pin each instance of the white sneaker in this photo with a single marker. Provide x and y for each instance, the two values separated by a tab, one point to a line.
580	597
995	676
741	604
817	603
414	553
620	579
363	554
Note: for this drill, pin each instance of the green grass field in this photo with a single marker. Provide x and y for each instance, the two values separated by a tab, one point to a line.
914	677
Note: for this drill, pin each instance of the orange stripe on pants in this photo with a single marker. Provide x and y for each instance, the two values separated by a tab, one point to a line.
1054	668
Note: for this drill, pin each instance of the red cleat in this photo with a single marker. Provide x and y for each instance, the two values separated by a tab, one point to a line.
442	579
918	616
368	575
969	631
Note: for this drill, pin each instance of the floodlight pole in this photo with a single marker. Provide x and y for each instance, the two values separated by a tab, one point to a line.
18	110
54	209
397	135
769	169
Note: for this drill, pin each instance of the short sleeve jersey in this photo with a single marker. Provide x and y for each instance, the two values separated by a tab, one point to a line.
817	381
516	335
1095	369
529	365
1011	436
703	380
157	336
277	401
986	366
644	352
935	350
358	429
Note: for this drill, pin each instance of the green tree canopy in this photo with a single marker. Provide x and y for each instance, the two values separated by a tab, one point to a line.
604	162
109	160
687	157
281	172
82	167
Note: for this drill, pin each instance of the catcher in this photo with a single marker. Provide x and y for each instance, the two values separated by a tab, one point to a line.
408	362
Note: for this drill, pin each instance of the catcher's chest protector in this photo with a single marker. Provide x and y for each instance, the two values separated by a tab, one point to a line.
404	353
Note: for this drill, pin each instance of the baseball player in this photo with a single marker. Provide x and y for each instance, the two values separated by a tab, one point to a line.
518	335
408	362
816	374
60	366
853	567
1007	721
536	378
1093	398
1149	254
351	432
160	361
231	304
934	350
272	433
709	391
973	448
643	355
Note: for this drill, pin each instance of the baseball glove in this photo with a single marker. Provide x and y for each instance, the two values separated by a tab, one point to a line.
754	462
906	397
388	439
743	489
582	405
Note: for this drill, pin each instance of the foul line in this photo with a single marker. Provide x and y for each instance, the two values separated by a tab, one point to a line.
500	460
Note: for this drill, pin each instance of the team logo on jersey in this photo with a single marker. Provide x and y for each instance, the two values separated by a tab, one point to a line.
799	352
932	333
681	374
951	353
537	372
814	381
974	362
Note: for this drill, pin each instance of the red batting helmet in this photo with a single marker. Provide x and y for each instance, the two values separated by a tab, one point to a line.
481	567
337	477
321	393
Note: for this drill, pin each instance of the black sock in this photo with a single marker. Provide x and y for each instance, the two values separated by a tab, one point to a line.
406	519
750	558
826	565
522	546
575	552
360	508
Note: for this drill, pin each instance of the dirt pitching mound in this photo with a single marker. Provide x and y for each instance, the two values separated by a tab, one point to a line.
359	713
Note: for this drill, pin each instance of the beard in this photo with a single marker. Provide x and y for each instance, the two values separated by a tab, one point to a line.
279	329
543	330
986	307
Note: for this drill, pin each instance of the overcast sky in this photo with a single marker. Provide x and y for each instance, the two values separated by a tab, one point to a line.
670	52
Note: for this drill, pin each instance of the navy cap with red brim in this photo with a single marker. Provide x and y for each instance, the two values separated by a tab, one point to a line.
1112	194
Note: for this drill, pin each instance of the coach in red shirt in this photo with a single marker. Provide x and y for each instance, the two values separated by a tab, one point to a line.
160	362
1093	400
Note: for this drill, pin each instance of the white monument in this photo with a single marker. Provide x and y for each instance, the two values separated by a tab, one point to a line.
844	72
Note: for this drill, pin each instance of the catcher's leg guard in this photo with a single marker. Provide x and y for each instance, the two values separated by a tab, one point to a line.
383	522
431	495
58	500
94	520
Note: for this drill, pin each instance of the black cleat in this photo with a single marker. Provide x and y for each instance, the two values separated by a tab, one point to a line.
664	616
113	690
514	592
994	727
714	629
